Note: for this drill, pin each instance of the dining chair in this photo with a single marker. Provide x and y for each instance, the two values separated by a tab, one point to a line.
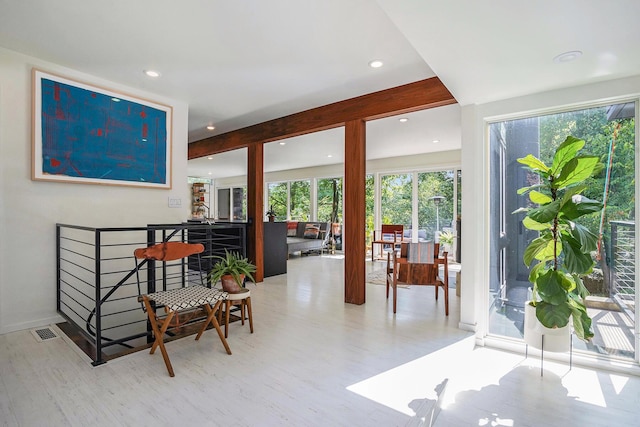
418	264
388	235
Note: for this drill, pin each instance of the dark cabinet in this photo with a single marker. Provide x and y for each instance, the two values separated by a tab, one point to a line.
275	248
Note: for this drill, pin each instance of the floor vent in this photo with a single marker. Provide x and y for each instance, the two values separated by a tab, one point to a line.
44	334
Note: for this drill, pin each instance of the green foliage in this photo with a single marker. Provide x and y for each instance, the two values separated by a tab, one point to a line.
325	200
397	199
447	237
563	248
369	199
593	126
232	264
300	200
278	199
271	211
435	184
297	192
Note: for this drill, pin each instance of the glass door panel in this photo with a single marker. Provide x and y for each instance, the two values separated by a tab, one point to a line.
239	203
435	203
224	200
609	132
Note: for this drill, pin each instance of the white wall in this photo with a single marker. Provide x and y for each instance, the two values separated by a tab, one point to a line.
421	162
30	209
475	167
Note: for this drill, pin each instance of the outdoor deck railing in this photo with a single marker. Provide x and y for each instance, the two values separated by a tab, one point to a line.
623	265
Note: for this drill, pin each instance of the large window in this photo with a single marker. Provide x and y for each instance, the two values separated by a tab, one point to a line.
423	202
330	199
329	196
300	200
290	200
609	132
435	203
369	210
278	196
396	196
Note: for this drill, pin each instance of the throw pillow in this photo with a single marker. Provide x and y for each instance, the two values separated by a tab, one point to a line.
292	228
311	231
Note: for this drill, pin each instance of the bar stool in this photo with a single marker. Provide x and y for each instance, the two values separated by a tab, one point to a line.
241	298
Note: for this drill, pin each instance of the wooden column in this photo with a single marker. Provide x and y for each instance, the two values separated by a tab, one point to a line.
255	208
354	211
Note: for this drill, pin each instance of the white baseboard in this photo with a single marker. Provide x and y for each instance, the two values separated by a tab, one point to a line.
471	327
6	329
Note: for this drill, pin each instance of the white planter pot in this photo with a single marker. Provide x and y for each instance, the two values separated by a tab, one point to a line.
556	340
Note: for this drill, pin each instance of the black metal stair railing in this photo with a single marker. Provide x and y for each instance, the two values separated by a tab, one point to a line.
97	289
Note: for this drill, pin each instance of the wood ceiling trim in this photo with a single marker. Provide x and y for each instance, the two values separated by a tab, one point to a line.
420	95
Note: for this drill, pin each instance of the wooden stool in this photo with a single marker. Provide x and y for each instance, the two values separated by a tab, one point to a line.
241	298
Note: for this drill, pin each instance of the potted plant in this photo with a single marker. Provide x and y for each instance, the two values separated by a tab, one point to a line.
446	240
562	251
231	270
271	214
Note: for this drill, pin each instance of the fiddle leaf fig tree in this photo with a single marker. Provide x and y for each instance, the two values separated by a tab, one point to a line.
561	254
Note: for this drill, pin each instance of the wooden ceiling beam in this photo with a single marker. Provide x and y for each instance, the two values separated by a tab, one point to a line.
420	95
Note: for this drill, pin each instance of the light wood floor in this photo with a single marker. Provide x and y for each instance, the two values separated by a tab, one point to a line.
312	361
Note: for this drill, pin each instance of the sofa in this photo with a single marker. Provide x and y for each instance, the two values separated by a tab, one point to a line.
307	236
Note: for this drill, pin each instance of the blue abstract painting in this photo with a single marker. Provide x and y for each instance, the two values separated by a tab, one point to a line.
100	136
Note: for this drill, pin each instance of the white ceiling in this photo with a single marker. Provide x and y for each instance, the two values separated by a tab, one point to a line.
385	138
238	63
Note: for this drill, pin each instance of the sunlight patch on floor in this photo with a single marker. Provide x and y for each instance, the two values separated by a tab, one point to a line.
618	382
585	388
417	383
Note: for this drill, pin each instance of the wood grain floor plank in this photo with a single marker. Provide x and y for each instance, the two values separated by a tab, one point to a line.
312	361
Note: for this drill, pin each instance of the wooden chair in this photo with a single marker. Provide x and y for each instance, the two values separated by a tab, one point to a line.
390	234
182	301
418	264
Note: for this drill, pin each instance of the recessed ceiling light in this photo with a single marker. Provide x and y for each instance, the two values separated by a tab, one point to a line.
210	158
283	143
210	173
329	155
435	141
376	63
572	55
403	120
211	127
152	73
